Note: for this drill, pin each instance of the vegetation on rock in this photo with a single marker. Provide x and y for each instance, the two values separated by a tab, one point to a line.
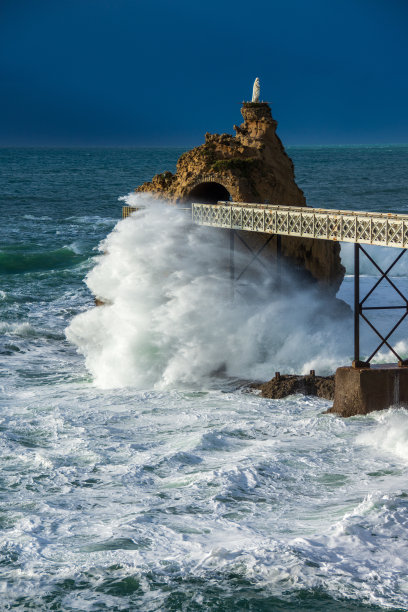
243	164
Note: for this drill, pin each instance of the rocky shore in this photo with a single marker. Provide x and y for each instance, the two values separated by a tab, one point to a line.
289	384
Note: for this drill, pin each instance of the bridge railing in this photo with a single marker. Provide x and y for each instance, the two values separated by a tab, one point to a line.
128	210
383	229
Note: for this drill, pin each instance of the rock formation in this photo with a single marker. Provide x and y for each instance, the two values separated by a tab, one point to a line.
251	166
288	384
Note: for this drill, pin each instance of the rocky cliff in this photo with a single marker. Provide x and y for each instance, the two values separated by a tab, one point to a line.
251	166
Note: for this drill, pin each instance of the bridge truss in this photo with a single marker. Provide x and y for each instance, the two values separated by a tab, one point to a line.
358	227
381	229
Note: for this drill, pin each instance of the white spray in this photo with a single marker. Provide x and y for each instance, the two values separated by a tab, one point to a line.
390	433
169	320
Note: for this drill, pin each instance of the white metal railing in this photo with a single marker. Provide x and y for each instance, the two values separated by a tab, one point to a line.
384	229
128	210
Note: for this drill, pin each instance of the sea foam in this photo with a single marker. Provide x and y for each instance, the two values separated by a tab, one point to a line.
390	433
168	318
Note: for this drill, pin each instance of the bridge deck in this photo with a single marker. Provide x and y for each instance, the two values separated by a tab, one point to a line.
384	229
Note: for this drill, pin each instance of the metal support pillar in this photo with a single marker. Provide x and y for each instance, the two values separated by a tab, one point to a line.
234	276
232	262
359	309
255	255
278	261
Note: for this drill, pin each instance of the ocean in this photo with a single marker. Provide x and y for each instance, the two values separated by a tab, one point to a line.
136	470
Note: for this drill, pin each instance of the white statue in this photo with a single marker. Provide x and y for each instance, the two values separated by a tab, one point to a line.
256	91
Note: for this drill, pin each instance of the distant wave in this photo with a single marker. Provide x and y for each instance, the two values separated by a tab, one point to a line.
21	262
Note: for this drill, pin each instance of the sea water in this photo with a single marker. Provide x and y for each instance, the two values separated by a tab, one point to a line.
136	471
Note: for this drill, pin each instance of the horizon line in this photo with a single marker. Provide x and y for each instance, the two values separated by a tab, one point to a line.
130	146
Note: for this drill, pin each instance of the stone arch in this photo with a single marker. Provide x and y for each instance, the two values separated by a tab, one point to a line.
208	191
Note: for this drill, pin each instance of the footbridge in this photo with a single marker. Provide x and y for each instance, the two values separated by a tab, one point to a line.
388	384
383	229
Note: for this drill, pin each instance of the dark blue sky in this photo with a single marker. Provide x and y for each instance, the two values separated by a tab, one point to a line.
124	72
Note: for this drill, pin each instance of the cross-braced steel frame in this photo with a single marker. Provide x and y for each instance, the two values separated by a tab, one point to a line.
360	308
359	227
234	277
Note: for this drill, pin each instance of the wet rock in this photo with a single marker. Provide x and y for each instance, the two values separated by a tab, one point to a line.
289	384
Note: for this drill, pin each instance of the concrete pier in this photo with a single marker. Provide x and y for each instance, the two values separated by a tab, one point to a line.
363	390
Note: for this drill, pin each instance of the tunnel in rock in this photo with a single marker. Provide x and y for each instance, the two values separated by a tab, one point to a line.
208	193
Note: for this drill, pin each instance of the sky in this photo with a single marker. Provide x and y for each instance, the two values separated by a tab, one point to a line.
162	73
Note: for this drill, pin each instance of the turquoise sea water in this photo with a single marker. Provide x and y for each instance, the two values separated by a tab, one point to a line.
173	493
